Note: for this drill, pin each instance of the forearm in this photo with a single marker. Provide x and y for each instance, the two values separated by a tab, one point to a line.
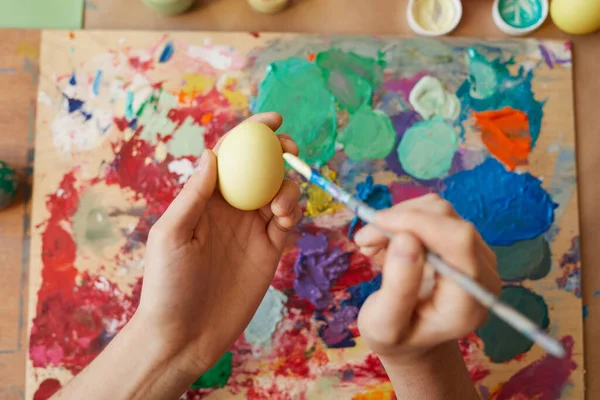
133	366
439	375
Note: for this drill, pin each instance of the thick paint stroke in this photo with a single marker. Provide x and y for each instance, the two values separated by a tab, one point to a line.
429	98
502	342
369	135
218	375
369	69
401	122
336	333
317	267
505	133
97	82
296	89
402	191
427	149
350	90
47	389
504	206
491	86
525	259
360	292
570	268
375	195
267	316
544	379
167	52
319	201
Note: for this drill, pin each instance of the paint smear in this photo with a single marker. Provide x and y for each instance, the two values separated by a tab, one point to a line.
47	389
504	206
369	135
505	133
429	98
218	375
544	379
502	342
264	323
369	69
563	182
317	267
336	333
375	195
570	268
360	292
401	122
319	201
525	259
427	149
402	191
295	88
167	52
97	82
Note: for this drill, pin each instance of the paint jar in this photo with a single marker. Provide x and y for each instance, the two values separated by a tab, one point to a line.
268	6
434	17
8	184
518	18
169	7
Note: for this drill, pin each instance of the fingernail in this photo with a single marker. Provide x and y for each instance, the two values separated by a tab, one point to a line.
285	204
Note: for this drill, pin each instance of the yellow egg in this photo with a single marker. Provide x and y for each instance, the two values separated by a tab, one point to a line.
250	166
577	17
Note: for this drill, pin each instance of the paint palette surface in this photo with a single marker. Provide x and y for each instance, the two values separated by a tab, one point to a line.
124	116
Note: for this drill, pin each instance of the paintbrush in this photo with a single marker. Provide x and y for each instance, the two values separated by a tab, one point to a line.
508	314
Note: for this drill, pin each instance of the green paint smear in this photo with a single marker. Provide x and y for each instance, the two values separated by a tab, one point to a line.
490	86
8	184
217	376
520	13
297	90
153	115
502	342
427	148
188	140
350	90
369	135
348	63
92	226
526	259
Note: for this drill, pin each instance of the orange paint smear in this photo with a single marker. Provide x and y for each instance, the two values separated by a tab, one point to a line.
505	133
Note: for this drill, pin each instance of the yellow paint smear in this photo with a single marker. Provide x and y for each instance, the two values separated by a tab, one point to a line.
319	202
434	15
235	98
195	85
379	392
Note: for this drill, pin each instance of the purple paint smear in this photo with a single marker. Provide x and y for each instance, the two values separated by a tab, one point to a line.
544	379
404	85
317	267
336	334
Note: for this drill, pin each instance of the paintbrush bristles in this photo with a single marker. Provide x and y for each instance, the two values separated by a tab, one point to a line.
299	165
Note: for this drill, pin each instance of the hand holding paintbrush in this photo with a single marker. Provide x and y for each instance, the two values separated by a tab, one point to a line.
456	271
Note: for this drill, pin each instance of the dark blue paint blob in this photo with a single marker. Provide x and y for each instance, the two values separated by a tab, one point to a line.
74	104
359	293
335	332
504	206
585	311
525	259
73	80
86	115
167	52
375	195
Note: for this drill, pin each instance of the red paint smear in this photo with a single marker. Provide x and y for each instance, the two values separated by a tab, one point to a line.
285	275
505	133
471	351
254	34
70	331
405	191
121	123
47	388
544	379
290	348
139	65
359	270
212	111
64	202
370	369
58	258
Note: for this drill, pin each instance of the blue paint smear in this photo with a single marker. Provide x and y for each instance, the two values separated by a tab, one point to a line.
97	80
504	206
167	52
597	293
375	195
129	106
86	115
359	293
563	182
74	104
73	80
585	311
513	91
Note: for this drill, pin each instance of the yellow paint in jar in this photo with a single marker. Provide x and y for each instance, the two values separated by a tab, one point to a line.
434	15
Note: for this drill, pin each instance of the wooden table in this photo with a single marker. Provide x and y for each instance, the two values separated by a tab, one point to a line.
18	52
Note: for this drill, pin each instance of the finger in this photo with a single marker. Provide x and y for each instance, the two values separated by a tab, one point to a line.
184	212
287	144
271	119
279	227
286	199
454	239
370	235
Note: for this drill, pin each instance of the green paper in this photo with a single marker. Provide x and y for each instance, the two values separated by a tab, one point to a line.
41	14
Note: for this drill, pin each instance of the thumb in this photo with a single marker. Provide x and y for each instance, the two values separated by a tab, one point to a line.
402	275
185	211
